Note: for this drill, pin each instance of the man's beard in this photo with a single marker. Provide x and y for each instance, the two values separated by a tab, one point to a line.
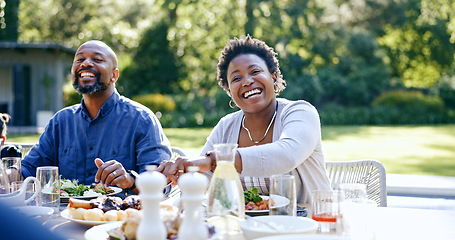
97	87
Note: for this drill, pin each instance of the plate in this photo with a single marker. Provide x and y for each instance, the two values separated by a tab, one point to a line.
66	214
305	237
66	199
280	201
100	231
262	226
36	212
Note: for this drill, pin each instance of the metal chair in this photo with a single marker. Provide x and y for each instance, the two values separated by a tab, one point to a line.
369	172
25	147
178	151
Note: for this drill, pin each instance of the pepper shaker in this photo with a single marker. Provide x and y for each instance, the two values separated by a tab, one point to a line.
151	184
193	186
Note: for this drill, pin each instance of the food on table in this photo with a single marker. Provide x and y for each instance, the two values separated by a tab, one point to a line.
100	188
169	214
78	213
254	201
104	208
94	214
72	188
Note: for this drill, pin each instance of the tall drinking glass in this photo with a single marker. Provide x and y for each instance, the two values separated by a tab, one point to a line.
4	182
282	195
10	163
50	187
327	209
354	191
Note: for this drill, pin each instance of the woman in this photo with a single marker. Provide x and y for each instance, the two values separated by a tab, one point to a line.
274	135
4	118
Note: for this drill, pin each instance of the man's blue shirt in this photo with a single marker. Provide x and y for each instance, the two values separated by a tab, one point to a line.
123	130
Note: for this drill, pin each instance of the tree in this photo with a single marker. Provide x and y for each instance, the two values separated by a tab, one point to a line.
9	20
154	65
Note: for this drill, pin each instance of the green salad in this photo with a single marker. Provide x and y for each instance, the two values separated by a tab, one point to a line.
72	188
252	195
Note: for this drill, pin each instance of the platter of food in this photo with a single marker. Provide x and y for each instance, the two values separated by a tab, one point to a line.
170	215
262	207
256	204
66	214
72	189
101	210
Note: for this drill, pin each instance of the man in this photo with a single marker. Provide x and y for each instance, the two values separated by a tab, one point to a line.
104	136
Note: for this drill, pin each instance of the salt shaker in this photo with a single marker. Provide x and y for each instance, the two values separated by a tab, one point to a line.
151	184
193	186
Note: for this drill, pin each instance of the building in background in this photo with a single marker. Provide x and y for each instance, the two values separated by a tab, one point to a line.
32	76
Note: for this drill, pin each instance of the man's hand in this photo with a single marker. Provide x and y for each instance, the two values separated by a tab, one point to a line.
113	173
173	170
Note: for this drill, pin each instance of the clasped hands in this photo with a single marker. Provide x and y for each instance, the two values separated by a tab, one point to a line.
174	169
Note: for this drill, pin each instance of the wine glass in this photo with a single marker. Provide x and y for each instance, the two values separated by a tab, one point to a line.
4	181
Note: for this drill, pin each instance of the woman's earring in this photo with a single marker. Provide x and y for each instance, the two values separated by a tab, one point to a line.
232	104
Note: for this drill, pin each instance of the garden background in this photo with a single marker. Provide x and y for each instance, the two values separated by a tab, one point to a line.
371	67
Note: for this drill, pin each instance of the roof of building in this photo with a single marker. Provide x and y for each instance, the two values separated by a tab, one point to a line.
48	46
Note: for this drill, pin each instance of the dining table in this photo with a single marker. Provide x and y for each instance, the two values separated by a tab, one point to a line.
387	223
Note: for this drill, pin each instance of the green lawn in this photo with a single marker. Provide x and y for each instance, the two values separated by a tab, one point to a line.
426	150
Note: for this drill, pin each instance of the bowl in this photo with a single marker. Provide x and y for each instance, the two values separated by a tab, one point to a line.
36	212
261	226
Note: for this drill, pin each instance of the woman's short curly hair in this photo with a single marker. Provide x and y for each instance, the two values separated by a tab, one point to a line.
249	45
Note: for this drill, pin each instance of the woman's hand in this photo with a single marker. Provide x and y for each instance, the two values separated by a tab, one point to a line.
113	173
173	170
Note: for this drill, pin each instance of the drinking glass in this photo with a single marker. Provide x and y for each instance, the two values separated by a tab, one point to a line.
282	195
10	163
327	209
354	191
50	187
358	219
4	181
29	190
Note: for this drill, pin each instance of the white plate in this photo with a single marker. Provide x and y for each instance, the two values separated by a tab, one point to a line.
305	237
66	214
262	226
116	190
36	212
280	201
100	231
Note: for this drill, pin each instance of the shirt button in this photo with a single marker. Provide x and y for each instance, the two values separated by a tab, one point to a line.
91	148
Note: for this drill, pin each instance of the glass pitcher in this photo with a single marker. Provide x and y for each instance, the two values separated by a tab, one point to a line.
226	203
4	181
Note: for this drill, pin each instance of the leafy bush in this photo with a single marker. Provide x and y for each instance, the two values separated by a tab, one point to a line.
391	108
70	97
156	102
410	102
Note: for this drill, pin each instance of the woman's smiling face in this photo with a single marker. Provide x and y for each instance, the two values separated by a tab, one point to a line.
251	85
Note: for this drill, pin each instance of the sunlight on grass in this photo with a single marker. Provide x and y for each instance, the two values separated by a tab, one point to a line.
403	149
425	150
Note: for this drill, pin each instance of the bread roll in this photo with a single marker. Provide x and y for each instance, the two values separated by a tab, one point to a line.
132	212
122	215
94	214
110	215
78	213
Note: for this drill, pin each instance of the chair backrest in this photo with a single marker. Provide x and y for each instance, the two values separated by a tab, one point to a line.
178	151
25	147
369	172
